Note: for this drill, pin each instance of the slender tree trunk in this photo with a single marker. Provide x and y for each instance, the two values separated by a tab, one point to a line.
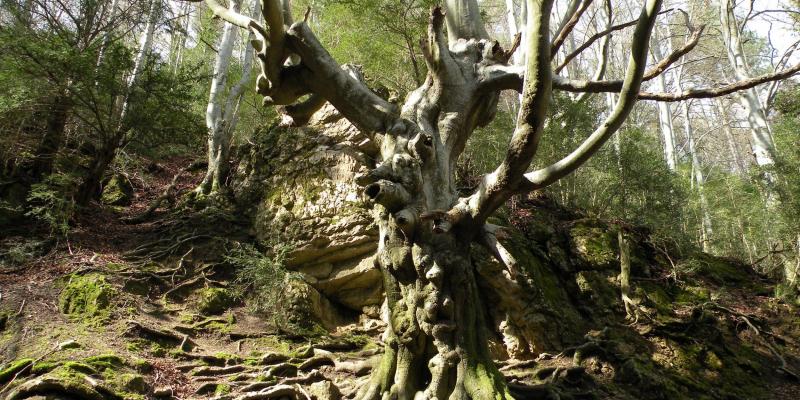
218	134
762	142
101	54
184	36
738	166
146	44
664	112
53	137
697	177
625	274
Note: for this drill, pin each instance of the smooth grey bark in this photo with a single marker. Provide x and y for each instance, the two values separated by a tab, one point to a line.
218	134
107	35
631	308
464	20
761	135
665	125
145	46
724	117
180	41
698	178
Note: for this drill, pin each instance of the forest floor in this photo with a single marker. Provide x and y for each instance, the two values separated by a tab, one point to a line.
81	317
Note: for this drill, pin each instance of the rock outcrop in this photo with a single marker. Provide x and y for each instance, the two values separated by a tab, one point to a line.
300	183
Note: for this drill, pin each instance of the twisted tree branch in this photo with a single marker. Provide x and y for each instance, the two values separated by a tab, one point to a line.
627	98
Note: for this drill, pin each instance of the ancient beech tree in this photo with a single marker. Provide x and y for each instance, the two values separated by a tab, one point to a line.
436	344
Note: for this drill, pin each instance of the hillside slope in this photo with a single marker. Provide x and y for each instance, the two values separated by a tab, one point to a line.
154	311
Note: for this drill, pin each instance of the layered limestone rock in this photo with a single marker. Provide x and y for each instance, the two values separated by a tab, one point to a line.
300	183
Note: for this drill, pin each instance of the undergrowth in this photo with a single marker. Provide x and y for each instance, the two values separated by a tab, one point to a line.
262	278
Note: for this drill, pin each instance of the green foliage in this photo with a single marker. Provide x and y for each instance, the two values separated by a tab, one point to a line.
397	25
263	278
52	201
627	178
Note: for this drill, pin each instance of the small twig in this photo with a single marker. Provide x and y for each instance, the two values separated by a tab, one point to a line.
21	307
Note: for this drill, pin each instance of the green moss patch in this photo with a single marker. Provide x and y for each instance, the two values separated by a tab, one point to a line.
595	245
717	270
87	297
14	368
118	191
214	301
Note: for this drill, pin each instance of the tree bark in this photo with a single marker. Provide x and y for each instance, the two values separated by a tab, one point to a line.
698	179
53	136
146	44
723	116
218	138
664	112
761	134
101	54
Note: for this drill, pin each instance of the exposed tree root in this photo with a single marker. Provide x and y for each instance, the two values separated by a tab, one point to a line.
87	390
273	392
169	195
768	343
533	392
141	330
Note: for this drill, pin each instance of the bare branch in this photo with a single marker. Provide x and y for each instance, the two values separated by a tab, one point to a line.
274	51
569	25
436	51
502	77
723	90
237	19
365	109
627	98
495	188
572	85
595	38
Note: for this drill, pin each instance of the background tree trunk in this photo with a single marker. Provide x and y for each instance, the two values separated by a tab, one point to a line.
218	133
664	112
107	150
761	134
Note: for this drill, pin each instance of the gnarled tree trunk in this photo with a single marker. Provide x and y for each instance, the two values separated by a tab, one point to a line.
436	344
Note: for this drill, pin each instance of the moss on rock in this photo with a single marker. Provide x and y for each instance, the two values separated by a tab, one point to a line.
595	245
118	191
87	297
214	301
717	270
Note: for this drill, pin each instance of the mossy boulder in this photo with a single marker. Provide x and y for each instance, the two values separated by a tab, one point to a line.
134	383
213	301
118	191
718	270
594	244
87	296
301	186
